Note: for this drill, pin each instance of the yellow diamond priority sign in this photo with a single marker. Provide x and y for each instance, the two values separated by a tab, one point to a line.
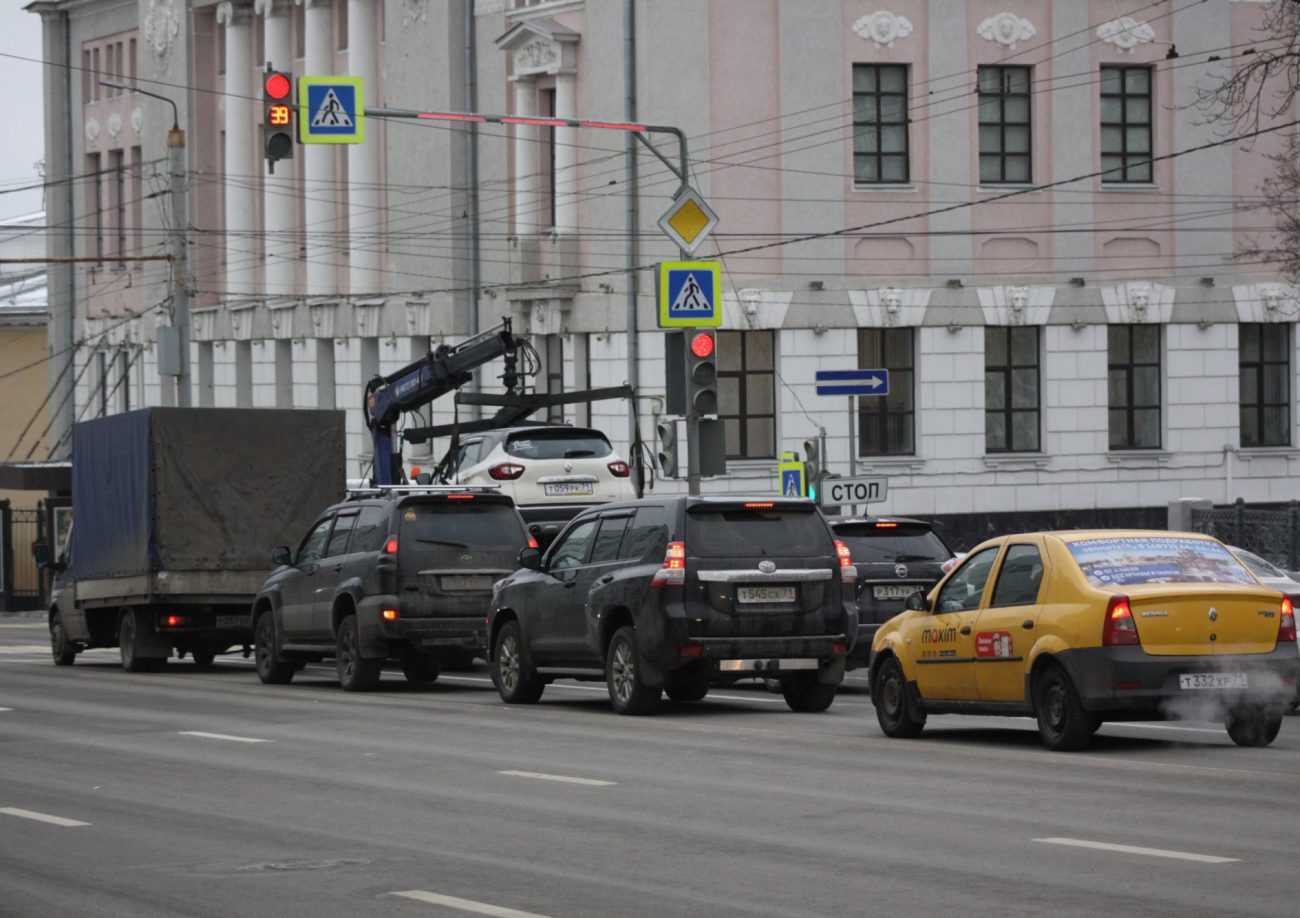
688	221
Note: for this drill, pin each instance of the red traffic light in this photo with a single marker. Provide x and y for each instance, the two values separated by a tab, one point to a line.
702	344
278	86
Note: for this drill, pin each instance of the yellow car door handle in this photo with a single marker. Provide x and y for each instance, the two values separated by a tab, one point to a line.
965	629
1027	624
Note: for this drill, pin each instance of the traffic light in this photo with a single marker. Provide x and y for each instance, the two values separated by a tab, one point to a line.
277	98
812	473
702	372
669	466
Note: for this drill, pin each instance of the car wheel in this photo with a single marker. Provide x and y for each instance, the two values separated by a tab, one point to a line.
270	670
688	685
894	709
63	650
803	693
515	679
128	640
627	692
1062	722
1253	726
419	669
356	673
203	656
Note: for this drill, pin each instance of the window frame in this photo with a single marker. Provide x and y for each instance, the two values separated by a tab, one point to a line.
1258	405
1001	155
877	411
742	374
881	97
1129	407
1126	157
1007	370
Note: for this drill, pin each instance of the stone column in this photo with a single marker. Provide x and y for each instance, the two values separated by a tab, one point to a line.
526	159
278	207
364	216
566	155
240	196
318	161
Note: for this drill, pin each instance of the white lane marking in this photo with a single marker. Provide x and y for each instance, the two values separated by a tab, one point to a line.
563	778
1132	849
466	905
41	817
25	648
223	736
6	709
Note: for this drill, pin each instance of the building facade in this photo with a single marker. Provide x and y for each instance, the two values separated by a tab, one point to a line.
1009	205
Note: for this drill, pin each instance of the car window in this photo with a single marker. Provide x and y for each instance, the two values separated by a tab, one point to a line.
609	538
571	550
562	443
964	588
1019	577
1259	566
1156	559
747	532
314	545
338	544
648	536
470	453
461	524
371	530
892	543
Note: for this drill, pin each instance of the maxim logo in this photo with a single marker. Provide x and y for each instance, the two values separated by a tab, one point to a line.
938	635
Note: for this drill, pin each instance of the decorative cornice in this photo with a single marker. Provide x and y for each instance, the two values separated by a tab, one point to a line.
1138	303
1268	302
1016	304
272	7
1125	33
890	307
1006	29
883	28
162	25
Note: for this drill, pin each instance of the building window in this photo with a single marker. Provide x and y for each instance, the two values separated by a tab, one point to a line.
747	393
117	166
886	423
1011	389
1264	355
1126	124
880	124
137	200
546	98
1134	381
1004	124
95	201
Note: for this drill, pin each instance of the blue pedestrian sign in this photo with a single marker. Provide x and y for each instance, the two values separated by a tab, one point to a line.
852	382
690	294
791	470
331	109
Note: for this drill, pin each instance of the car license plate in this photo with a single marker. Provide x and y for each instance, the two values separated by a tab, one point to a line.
765	594
1212	680
569	488
466	582
894	590
232	621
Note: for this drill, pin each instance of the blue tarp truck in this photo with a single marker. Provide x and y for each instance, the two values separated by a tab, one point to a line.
175	514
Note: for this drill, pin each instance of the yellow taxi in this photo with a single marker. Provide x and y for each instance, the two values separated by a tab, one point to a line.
1077	628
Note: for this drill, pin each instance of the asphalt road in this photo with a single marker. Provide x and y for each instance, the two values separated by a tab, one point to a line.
206	793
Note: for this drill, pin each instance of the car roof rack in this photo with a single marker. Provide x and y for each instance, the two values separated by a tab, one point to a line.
355	493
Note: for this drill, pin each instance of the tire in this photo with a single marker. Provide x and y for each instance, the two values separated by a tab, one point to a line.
1063	724
516	681
62	649
420	669
688	685
203	656
1253	726
128	633
894	710
805	695
627	692
356	673
270	669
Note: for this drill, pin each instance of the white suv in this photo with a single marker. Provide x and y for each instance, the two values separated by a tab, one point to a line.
546	466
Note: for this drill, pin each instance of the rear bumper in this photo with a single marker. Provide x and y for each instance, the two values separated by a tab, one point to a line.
1129	680
381	638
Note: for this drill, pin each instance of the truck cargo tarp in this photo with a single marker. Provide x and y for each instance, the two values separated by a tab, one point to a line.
199	489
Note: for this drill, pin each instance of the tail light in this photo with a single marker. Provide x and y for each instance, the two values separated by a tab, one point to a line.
1286	625
848	573
390	615
620	469
691	650
532	543
390	547
839	648
175	621
1119	627
673	573
506	471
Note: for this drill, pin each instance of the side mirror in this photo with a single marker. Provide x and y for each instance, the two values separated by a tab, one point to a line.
282	556
916	602
530	558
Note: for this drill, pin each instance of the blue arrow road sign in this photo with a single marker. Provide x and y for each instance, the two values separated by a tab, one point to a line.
852	382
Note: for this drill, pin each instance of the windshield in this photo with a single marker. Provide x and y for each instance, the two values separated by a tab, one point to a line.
462	524
1258	566
742	532
561	443
1156	559
892	543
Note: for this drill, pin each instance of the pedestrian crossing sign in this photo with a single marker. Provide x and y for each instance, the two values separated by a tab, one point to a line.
690	294
331	109
791	471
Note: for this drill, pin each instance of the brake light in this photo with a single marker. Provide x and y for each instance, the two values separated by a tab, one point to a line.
759	505
839	648
390	615
1119	627
620	469
390	547
532	543
506	471
886	525
1286	625
848	573
691	650
673	572
175	621
460	497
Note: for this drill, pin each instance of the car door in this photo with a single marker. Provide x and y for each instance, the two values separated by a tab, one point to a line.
942	643
555	600
576	628
1004	630
298	586
336	566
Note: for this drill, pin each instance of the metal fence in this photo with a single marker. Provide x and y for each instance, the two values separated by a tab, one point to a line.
20	578
1271	532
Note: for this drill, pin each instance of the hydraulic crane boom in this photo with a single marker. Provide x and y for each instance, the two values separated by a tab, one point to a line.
439	372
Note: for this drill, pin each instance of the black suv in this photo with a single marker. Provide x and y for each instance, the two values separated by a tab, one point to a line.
894	558
399	572
679	594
